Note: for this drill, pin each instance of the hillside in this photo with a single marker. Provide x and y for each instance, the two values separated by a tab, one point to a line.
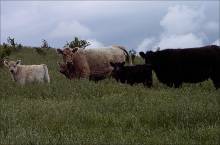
107	112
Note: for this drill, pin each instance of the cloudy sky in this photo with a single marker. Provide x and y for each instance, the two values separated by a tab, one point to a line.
139	25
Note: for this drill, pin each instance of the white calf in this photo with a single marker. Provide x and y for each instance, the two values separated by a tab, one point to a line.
27	73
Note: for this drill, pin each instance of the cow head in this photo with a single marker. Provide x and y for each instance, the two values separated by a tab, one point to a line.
12	65
148	56
67	53
66	69
117	65
116	68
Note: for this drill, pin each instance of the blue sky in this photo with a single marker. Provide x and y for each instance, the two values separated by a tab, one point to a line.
139	25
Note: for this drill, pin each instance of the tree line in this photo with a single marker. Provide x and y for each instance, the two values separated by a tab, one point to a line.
12	46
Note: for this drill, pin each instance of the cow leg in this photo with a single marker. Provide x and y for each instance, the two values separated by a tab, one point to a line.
147	84
177	84
131	83
169	85
216	83
216	79
122	81
22	81
95	80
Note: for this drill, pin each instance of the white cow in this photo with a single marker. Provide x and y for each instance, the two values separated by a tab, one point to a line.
27	73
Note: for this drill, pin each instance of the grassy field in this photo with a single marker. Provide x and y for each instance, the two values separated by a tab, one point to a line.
82	112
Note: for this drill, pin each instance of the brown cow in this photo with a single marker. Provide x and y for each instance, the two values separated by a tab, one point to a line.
94	63
71	73
79	61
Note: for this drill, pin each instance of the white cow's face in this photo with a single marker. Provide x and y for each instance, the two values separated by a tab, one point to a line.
12	65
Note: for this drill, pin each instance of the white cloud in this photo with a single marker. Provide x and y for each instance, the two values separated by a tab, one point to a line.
70	29
182	26
180	41
124	23
212	26
94	43
182	20
146	44
217	42
21	25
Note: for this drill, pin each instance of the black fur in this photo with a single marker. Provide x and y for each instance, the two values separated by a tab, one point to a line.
132	74
191	65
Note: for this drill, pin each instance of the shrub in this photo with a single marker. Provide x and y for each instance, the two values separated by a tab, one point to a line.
45	44
40	51
4	52
77	43
13	44
43	49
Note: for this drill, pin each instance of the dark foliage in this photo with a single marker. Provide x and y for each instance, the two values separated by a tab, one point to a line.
13	44
5	51
77	43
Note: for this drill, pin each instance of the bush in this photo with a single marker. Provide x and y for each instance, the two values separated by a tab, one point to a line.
4	52
13	44
77	43
43	49
40	51
45	44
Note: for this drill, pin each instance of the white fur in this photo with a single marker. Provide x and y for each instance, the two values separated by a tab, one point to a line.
28	73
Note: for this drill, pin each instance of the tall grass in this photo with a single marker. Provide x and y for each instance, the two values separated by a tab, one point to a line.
83	112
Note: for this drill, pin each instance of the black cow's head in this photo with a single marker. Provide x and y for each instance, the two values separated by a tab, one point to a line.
117	65
116	69
148	56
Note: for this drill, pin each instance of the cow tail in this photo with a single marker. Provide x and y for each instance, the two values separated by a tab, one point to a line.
46	74
128	59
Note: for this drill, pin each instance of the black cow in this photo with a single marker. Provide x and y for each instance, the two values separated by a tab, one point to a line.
191	65
132	74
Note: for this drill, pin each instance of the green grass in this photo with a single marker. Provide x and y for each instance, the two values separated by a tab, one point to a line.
83	112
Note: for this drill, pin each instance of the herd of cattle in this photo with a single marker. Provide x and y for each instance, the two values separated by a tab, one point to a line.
171	66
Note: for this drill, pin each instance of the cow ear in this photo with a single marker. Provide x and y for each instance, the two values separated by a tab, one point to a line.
59	51
75	49
18	62
6	63
112	64
142	54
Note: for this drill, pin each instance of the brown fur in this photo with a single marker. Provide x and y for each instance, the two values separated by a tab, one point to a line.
80	64
93	62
